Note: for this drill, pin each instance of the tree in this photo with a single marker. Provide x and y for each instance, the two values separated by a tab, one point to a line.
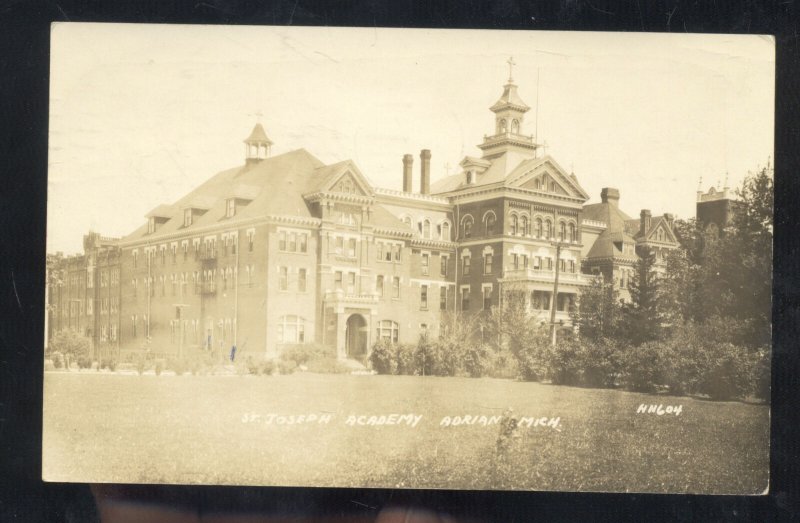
73	345
643	315
598	313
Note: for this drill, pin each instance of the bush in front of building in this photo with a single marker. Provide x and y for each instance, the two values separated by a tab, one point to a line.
480	360
74	346
600	363
58	359
383	358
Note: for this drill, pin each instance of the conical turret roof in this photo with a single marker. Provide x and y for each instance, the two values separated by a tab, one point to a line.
258	135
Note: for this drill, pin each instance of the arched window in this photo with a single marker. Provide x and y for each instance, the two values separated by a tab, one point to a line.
539	229
407	220
445	235
573	233
490	220
523	226
469	177
426	229
515	126
291	329
388	331
562	231
467	224
514	224
548	229
503	126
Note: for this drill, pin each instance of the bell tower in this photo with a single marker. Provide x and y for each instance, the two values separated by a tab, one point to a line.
509	113
257	145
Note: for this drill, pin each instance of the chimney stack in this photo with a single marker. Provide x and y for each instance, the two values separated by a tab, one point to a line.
408	163
425	179
610	195
670	219
644	221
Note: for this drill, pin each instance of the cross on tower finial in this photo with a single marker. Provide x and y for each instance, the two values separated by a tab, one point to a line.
511	63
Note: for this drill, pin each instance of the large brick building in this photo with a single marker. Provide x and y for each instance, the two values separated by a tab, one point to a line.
285	249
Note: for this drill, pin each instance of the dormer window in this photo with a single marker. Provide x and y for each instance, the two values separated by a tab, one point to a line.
230	208
187	217
469	177
151	225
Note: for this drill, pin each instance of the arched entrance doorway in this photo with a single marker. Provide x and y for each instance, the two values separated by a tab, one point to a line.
356	337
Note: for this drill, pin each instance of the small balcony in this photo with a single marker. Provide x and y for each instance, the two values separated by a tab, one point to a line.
546	275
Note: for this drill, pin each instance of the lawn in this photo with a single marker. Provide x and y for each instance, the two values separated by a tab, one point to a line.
101	427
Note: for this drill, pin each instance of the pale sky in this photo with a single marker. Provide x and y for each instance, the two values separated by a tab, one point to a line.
142	114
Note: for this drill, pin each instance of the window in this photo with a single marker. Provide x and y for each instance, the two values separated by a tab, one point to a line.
396	287
443	298
515	126
572	266
282	241
396	251
291	329
487	298
538	227
135	263
174	252
426	263
337	280
351	283
185	247
562	231
151	225
407	220
133	326
487	263
515	260
540	300
283	281
573	233
514	224
465	299
524	261
187	217
379	285
379	248
230	208
301	280
339	245
549	264
250	239
423	297
562	265
445	234
491	221
351	247
548	229
443	265
523	226
292	242
467	226
303	241
426	229
466	262
89	307
388	331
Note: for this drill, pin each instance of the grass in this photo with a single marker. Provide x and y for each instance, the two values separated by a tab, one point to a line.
190	430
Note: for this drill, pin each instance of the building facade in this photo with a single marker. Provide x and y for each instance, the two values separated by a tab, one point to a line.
286	250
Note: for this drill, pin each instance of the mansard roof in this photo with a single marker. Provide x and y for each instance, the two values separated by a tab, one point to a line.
509	99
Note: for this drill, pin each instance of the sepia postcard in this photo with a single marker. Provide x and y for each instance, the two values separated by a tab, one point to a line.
407	258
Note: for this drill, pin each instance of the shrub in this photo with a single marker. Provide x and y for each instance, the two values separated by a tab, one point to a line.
72	345
107	363
178	366
405	358
562	362
532	359
479	360
504	365
84	362
643	366
301	354
600	362
286	366
383	358
267	367
58	359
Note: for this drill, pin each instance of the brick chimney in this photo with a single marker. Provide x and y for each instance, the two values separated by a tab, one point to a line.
610	195
408	163
670	219
644	221
425	179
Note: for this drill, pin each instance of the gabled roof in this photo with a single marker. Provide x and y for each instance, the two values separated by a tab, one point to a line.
160	211
633	227
328	175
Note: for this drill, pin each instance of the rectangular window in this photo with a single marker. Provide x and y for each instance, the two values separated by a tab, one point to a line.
379	285
250	238
465	299
537	263
174	249
230	208
133	325
283	281
301	280
426	262
466	262
524	261
282	241
443	298
396	287
423	297
135	260
351	247
292	242
550	264
515	261
337	280
487	298
351	283
396	251
303	239
443	265
487	264
379	249
562	265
